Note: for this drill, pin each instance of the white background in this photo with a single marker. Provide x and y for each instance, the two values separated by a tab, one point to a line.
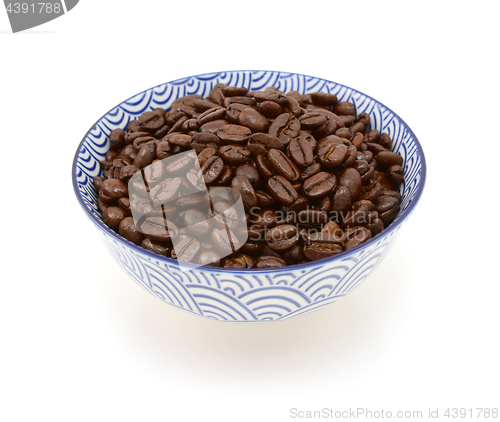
80	341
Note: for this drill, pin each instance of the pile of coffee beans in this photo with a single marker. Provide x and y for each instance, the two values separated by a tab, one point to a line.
314	179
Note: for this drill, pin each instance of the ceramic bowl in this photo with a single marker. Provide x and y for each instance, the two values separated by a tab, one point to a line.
253	294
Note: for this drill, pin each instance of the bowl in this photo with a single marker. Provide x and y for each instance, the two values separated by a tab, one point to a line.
248	295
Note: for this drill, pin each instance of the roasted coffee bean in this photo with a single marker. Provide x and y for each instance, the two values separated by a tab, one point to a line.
310	171
344	108
225	241
389	158
129	231
117	139
386	141
375	224
319	185
205	154
186	249
225	215
263	166
151	121
269	261
301	152
146	155
282	237
250	172
165	191
375	148
181	140
240	260
358	216
226	175
196	223
159	228
214	113
324	98
341	202
98	183
209	257
264	199
285	127
233	134
261	143
127	172
323	246
270	109
354	236
282	165
234	154
332	155
111	155
112	190
160	248
282	190
312	120
387	207
112	217
371	192
253	120
351	179
212	169
246	190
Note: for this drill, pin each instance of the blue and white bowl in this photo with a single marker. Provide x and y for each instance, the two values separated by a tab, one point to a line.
251	294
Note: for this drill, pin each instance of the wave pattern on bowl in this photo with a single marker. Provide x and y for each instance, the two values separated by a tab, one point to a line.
250	295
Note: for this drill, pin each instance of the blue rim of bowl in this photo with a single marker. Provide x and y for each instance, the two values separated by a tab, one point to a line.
340	257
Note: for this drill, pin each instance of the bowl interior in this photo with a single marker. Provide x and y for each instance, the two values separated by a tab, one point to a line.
95	144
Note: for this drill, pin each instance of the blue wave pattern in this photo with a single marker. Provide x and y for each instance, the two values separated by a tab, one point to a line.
251	295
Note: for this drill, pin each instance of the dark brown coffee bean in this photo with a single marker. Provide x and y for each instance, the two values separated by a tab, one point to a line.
246	190
112	217
312	120
270	95
225	241
160	248
387	208
209	257
186	249
151	121
214	113
324	98
351	179
310	171
233	134
282	165
129	231
371	192
285	127
250	172
319	185
332	155
341	202
127	172
263	166
261	143
181	140
395	173
282	190
375	224
234	154
159	228
240	260
205	154
202	105
98	183
139	142
117	139
267	261
146	155
389	158
165	191
374	147
253	120
354	236
265	200
282	237
344	108
321	248
385	141
112	190
196	223
358	216
301	152
214	126
270	109
212	169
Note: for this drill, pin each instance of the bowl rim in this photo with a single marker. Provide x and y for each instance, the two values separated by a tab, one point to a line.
396	224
